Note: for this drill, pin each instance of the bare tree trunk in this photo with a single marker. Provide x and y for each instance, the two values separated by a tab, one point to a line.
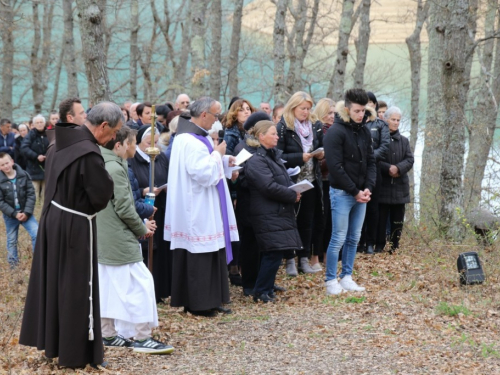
455	97
234	49
57	78
69	49
362	44
279	51
39	64
336	87
134	47
482	127
413	43
91	13
180	73
433	140
216	55
145	63
6	18
198	63
294	43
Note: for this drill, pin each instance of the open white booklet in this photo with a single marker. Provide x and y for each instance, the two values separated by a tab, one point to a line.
293	171
302	186
242	157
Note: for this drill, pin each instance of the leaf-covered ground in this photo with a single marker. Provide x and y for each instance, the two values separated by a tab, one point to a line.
414	318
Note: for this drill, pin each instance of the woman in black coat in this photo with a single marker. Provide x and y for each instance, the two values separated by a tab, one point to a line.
18	156
271	207
298	138
162	264
33	148
395	189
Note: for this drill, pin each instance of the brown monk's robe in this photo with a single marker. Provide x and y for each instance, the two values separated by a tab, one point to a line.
56	315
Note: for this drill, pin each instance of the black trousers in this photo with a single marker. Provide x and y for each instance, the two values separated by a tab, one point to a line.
370	225
249	257
327	214
397	217
269	265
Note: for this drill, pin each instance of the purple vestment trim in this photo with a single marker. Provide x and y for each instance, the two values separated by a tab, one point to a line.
223	204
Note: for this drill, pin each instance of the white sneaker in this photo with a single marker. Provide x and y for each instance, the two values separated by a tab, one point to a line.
317	267
348	284
291	268
305	267
333	287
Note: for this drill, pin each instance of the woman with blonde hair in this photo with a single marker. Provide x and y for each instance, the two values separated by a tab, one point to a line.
299	136
233	122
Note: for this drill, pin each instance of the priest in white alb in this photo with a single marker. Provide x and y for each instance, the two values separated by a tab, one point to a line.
199	218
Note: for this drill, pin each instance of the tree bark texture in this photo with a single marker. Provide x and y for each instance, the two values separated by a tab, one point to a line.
433	139
279	51
455	98
198	60
134	47
414	49
362	44
482	127
7	58
216	55
91	14
336	86
234	49
69	49
40	62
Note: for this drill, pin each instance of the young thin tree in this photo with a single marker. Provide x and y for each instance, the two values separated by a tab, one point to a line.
134	48
216	54
69	49
362	43
235	48
279	51
198	58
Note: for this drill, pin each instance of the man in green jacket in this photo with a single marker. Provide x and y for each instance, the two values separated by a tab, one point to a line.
128	304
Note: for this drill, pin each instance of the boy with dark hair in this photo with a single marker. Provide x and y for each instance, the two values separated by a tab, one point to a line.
126	288
17	203
351	165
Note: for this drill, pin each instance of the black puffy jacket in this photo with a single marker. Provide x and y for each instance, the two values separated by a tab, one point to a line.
379	131
396	190
271	201
242	209
34	144
349	153
25	193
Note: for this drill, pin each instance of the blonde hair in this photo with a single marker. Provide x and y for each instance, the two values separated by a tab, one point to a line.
173	124
322	108
231	117
296	99
260	127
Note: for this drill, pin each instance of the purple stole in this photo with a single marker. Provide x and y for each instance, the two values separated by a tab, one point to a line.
223	203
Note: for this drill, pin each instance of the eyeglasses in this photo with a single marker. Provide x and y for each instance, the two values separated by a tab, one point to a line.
216	115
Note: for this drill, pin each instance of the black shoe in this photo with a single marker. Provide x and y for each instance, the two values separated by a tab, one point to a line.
222	310
205	313
117	341
369	249
264	297
235	279
151	346
247	292
278	288
361	249
93	365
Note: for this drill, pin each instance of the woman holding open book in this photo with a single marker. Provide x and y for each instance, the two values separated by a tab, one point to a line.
301	143
271	206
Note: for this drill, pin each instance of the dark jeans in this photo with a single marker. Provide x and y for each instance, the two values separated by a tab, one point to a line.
370	225
269	265
397	217
327	213
249	257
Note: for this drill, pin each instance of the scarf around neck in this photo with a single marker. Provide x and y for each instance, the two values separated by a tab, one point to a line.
304	130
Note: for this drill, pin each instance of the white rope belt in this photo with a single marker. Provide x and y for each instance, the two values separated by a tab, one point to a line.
89	218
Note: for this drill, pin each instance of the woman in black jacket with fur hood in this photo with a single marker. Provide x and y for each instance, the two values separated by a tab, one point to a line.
271	207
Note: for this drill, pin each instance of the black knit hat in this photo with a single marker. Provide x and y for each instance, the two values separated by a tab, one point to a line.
235	98
373	99
141	132
255	118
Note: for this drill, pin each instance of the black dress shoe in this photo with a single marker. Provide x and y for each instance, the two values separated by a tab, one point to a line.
264	297
205	313
247	292
104	364
235	279
278	288
222	310
369	249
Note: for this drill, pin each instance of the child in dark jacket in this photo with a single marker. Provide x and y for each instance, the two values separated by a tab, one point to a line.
17	202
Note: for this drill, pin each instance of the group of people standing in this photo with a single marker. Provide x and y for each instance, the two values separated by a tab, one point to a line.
211	219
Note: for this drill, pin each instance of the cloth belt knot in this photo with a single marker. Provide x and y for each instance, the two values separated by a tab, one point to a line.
89	218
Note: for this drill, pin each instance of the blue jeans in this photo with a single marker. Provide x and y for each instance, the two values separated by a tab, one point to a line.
12	227
347	221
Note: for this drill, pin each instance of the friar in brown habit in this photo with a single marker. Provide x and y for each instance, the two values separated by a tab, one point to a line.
62	315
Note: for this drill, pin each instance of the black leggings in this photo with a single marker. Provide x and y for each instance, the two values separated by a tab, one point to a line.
397	218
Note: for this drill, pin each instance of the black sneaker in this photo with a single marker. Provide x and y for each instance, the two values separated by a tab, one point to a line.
117	341
151	346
